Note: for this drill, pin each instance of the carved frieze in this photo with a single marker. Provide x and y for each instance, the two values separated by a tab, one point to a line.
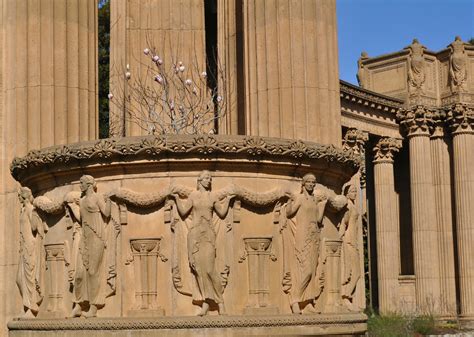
385	149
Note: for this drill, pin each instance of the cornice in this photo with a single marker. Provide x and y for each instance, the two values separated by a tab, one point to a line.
156	148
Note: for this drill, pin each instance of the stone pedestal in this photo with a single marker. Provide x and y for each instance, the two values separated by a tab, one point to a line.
387	224
145	253
461	119
258	251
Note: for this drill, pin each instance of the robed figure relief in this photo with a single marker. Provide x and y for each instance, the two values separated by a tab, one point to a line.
93	236
32	257
199	208
302	269
349	231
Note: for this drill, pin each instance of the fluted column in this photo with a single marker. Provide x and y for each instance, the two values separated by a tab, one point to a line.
292	84
440	159
416	120
175	31
461	119
387	224
51	58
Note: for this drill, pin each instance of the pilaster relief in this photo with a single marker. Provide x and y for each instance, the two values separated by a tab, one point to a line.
458	62
55	266
257	252
416	120
460	118
333	260
416	68
145	254
385	149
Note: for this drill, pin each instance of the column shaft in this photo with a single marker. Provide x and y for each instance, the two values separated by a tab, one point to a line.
442	187
463	147
288	98
387	234
425	232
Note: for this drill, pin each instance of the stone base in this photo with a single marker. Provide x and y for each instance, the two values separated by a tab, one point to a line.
146	313
466	322
52	314
261	311
229	326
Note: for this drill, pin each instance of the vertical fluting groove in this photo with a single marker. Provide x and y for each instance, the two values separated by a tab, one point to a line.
387	233
464	196
21	76
443	209
33	79
72	70
424	226
83	65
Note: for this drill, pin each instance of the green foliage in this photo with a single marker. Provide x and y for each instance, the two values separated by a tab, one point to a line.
398	325
471	41
104	61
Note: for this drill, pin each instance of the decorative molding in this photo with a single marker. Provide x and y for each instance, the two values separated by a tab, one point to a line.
385	149
186	322
177	146
353	93
416	120
460	118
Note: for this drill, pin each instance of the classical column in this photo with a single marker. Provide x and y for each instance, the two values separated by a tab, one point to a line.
51	78
387	224
417	120
440	159
172	30
461	120
291	61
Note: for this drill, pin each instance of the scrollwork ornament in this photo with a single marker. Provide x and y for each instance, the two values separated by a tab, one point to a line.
385	149
460	118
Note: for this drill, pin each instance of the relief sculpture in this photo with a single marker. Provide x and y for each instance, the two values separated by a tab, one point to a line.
32	258
94	235
458	66
303	276
416	68
199	208
349	231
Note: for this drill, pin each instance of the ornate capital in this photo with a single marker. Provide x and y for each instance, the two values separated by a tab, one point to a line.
385	149
416	120
354	140
460	118
439	124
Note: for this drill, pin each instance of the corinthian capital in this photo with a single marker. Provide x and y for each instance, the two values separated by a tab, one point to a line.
460	118
354	140
385	149
416	120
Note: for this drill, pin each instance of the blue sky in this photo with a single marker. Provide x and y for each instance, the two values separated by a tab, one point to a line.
384	26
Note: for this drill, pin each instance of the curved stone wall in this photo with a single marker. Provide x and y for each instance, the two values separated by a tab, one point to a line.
177	226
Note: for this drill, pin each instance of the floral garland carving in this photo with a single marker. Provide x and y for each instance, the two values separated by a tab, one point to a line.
162	147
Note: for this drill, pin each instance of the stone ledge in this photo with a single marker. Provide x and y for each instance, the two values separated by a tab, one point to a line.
188	322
